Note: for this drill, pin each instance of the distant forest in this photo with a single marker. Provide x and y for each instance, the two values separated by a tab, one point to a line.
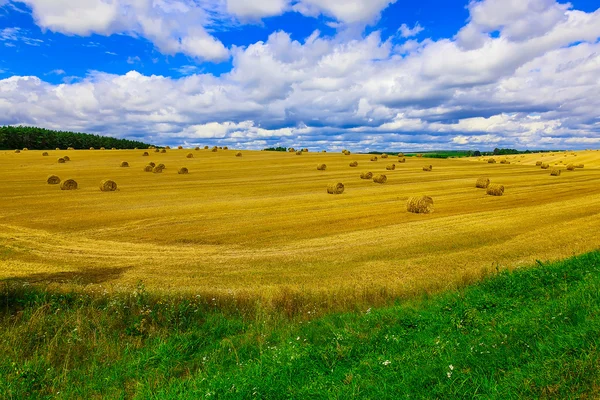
18	137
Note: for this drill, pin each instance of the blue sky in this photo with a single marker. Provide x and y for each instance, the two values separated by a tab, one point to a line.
365	75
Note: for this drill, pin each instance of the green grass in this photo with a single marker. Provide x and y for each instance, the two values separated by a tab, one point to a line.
532	333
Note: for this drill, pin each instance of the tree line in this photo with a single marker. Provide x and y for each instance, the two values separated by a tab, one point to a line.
18	137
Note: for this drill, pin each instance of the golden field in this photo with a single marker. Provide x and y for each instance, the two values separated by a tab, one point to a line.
263	223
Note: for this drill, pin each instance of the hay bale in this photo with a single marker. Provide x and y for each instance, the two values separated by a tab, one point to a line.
68	184
53	180
354	164
505	161
374	158
114	148
225	148
482	182
299	153
380	179
238	154
335	188
148	168
419	155
220	147
570	167
390	167
45	154
545	166
162	166
321	167
538	163
555	172
402	160
58	148
189	155
183	171
91	148
71	148
428	168
579	166
400	154
366	175
159	150
157	170
67	158
25	149
384	155
205	147
495	190
17	151
150	147
323	151
292	150
305	150
145	154
124	164
492	161
61	160
215	149
419	205
180	147
108	185
101	148
152	164
196	148
168	147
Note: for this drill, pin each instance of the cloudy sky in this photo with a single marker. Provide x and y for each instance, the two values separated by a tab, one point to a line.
358	74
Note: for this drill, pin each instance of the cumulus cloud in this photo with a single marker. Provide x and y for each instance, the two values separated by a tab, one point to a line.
530	90
407	32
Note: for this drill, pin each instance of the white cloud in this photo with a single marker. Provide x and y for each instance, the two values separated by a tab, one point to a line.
407	32
57	72
256	9
133	60
11	36
347	11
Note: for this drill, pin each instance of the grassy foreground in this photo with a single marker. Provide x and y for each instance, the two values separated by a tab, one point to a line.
527	333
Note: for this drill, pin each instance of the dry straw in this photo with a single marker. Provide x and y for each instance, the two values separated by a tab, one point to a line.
161	166
419	155
145	154
157	170
238	154
160	151
67	158
335	188
45	153
492	161
61	160
579	166
25	149
505	161
555	172
545	166
53	180
114	148
321	167
495	190
180	147
196	148
400	154
570	167
420	205
205	147
183	171
299	153
58	148
428	168
108	185
225	148
17	151
152	164
390	167
148	168
71	148
384	155
374	158
68	184
380	179
168	147
215	149
91	148
101	148
482	182
402	160
354	164
190	155
538	163
366	175
124	164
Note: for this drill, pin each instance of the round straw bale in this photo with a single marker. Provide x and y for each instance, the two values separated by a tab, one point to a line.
102	148
492	161
157	170
67	158
145	154
374	158
182	171
570	167
91	148
354	164
305	150
108	185
545	166
384	155
420	205
321	167
61	160
292	150
45	153
58	148
220	147
390	167
124	164
159	151
162	166
152	164
538	163
25	149
135	148
335	188
168	147
482	182
402	160
68	184
323	151
238	154
150	147
17	151
205	147
114	148
427	168
380	179
215	149
196	148
555	172
71	148
53	180
579	166
189	155
225	148
366	175
495	190
299	153
148	168
180	147
419	155
400	154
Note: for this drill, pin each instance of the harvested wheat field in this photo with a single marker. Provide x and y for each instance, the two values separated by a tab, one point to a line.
265	223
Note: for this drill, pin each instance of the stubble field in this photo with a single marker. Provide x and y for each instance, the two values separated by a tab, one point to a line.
263	224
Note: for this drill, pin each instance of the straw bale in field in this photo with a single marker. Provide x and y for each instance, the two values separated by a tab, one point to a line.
419	155
428	168
335	188
555	172
504	161
183	171
45	154
579	166
25	149
495	190
53	180
196	148
402	160
545	166
400	154
168	147
366	175
321	167
570	167
420	205
491	161
67	158
58	148
299	153
225	148
538	163
102	148
68	184
238	154
108	185
17	151
205	147
152	164
61	160
180	147
384	155
354	164
145	154
390	167
114	148
380	179
157	170
374	158
71	148
124	164
148	168
215	149
189	155
91	148
161	166
482	182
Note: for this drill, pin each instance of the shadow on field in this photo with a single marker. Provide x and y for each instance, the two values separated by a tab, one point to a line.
81	277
